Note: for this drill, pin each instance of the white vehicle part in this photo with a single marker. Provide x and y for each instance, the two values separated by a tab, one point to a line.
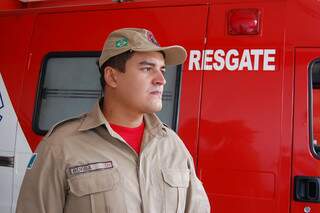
13	144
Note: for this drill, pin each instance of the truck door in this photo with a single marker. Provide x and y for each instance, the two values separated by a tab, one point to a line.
306	141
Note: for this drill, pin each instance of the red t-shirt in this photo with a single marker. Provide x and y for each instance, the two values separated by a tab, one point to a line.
133	136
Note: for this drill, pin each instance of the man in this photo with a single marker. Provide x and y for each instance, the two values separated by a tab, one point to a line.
119	157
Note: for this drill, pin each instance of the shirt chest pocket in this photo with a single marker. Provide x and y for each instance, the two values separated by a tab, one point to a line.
176	183
96	192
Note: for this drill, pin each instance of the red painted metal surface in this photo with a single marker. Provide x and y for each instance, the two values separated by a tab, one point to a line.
242	118
14	57
10	4
247	130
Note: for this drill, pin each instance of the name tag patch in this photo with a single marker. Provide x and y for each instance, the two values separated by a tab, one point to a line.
90	167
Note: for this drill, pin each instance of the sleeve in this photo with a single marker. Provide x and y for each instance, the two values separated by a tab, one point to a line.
197	199
43	187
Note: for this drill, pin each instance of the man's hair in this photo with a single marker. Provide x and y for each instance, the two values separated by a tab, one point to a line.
117	62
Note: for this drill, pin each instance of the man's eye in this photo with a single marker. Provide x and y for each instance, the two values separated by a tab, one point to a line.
147	69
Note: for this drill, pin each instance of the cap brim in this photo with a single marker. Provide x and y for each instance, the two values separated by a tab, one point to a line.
174	55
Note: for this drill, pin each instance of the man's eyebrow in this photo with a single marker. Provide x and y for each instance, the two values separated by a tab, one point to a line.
148	63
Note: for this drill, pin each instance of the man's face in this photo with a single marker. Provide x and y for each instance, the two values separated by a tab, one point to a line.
140	87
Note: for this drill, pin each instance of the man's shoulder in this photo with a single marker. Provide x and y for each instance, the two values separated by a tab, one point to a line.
66	127
54	141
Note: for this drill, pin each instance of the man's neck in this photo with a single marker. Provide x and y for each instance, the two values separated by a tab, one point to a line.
120	115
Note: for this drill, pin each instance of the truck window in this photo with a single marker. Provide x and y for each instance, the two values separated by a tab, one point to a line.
314	103
69	85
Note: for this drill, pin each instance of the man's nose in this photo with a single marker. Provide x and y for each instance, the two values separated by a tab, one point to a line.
159	78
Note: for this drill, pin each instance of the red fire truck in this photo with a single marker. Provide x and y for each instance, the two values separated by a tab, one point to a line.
246	102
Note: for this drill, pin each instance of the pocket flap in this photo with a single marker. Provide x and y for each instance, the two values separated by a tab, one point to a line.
93	182
176	177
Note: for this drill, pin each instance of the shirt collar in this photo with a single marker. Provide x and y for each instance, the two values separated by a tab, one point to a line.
153	124
93	119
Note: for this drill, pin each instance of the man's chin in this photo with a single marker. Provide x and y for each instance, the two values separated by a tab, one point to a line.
155	108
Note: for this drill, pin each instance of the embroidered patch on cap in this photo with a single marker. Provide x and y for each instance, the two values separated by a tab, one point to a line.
32	161
90	167
151	38
121	42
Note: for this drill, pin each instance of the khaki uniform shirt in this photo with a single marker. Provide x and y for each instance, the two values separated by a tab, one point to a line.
83	166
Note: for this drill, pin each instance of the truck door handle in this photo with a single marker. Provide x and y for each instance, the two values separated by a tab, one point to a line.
307	189
7	161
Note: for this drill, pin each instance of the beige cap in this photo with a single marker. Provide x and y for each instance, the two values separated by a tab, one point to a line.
140	40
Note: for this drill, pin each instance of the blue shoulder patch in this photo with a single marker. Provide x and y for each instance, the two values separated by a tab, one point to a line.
32	161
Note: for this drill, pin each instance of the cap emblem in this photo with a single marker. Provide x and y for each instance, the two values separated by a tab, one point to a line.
122	42
151	38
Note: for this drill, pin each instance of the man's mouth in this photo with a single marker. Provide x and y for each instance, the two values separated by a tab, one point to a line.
157	93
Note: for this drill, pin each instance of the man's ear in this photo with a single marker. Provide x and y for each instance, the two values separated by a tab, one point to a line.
110	76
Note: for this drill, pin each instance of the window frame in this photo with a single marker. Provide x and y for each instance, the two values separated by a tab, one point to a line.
315	150
176	101
43	71
77	54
